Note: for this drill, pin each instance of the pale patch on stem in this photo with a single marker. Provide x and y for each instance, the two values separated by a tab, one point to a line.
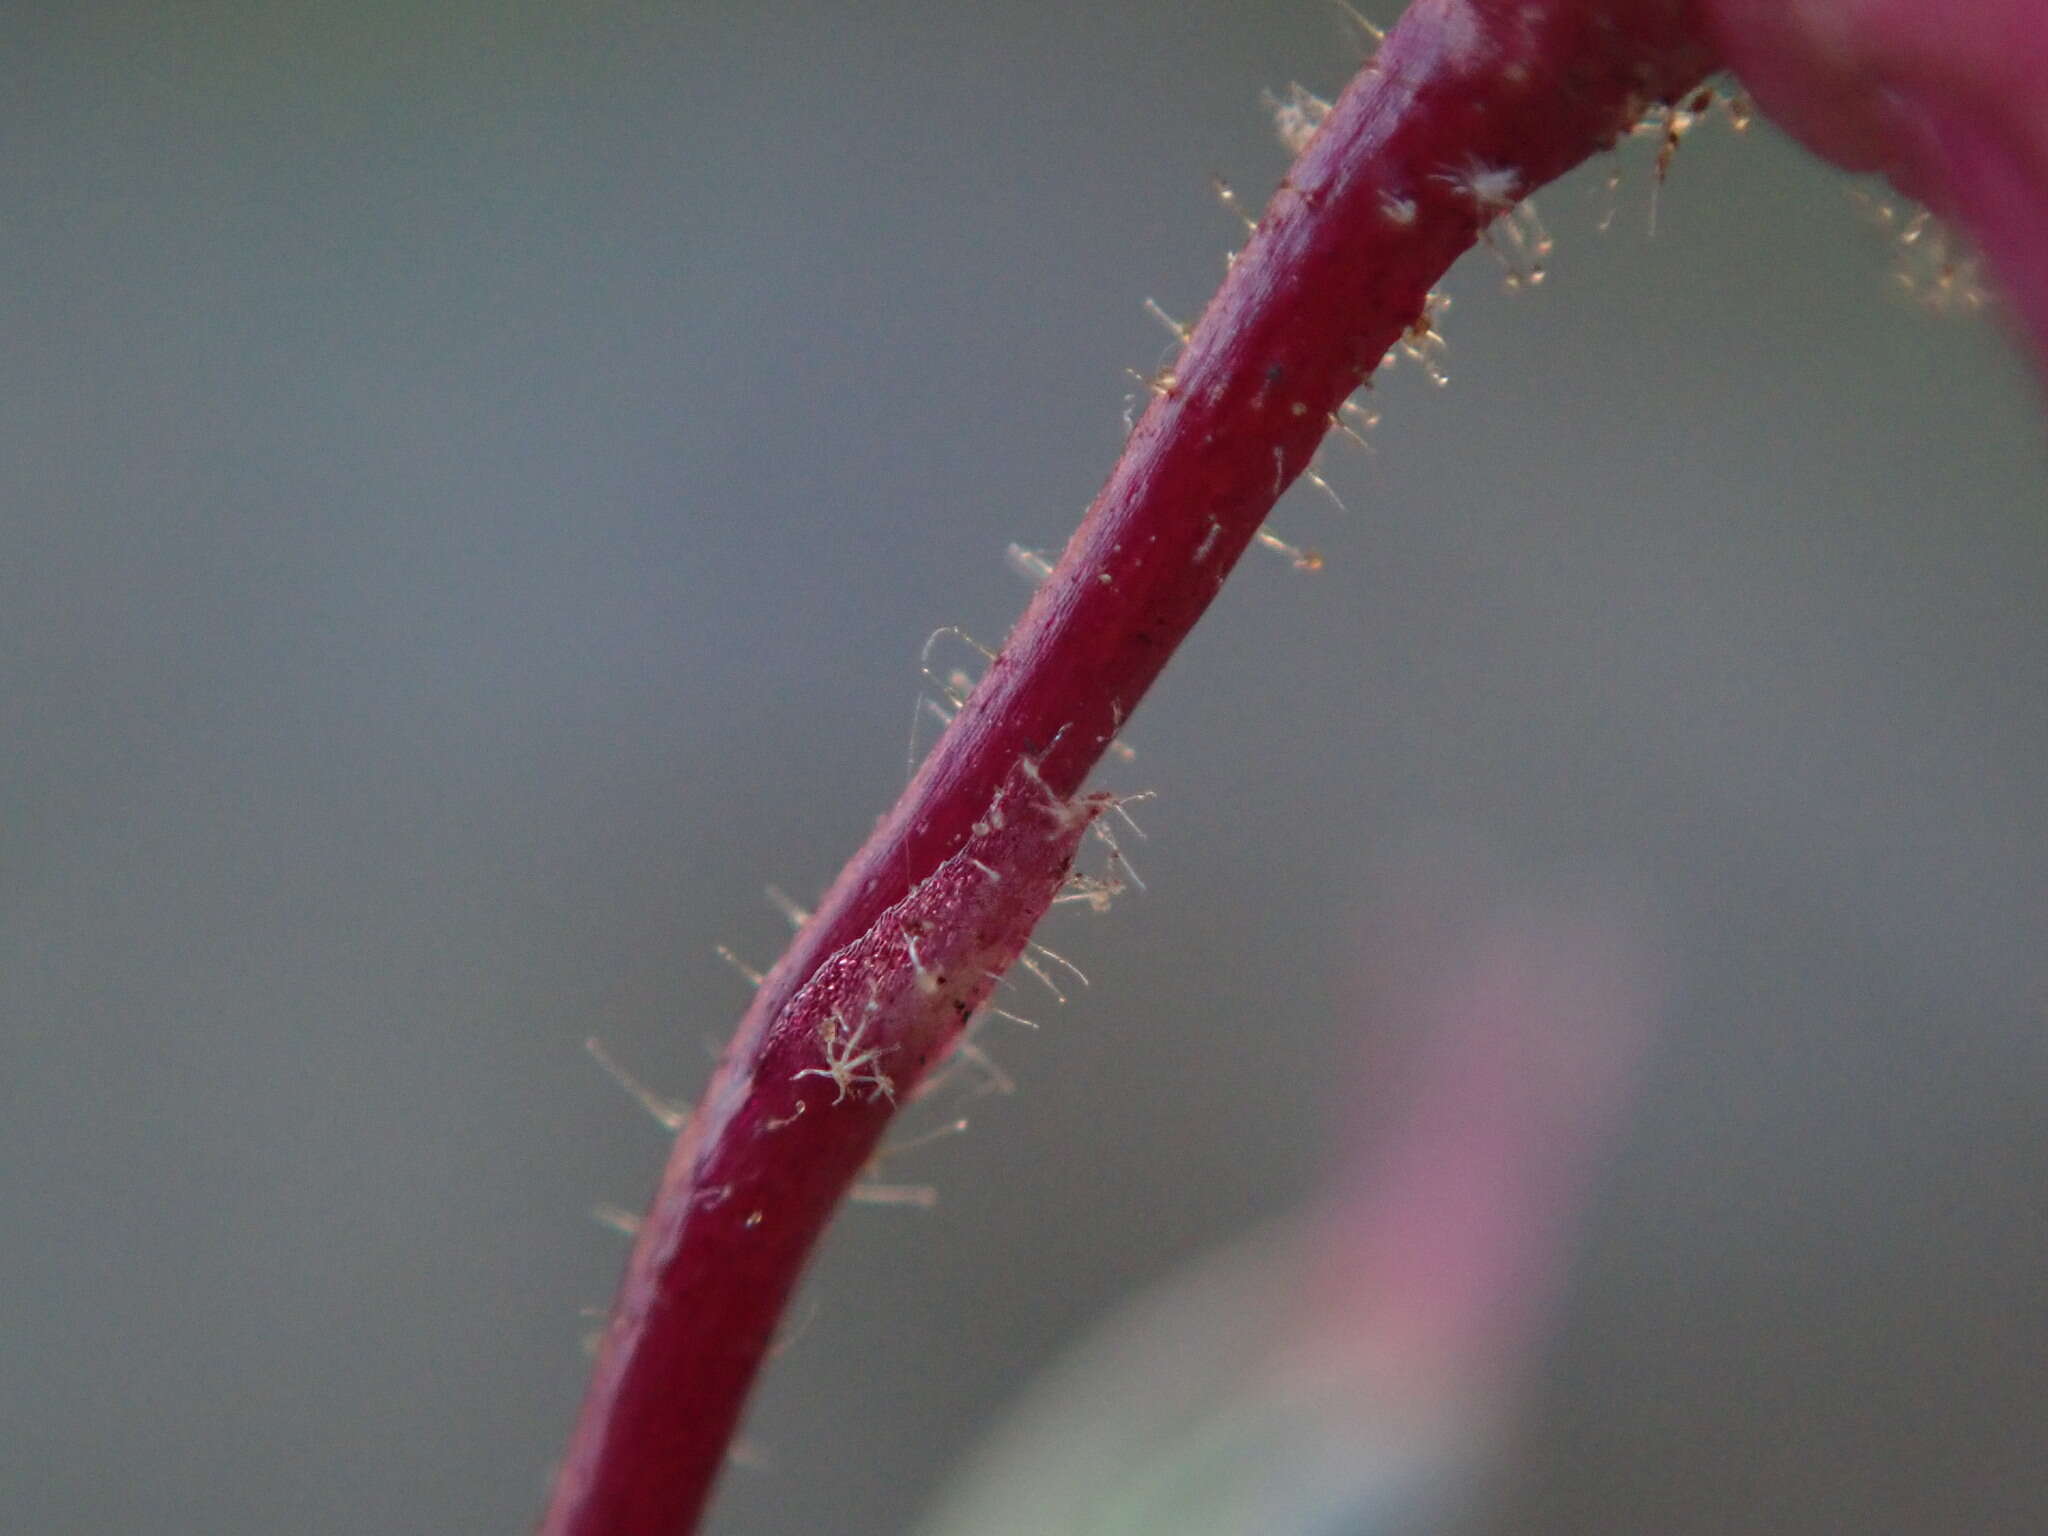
850	1064
1296	117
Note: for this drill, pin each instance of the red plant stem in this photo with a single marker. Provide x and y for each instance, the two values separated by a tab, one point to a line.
1469	106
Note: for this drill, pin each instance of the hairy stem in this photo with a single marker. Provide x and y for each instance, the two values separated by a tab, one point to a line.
1468	106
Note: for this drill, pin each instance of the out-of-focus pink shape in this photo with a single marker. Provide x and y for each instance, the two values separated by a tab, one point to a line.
1356	1367
1449	1232
1949	100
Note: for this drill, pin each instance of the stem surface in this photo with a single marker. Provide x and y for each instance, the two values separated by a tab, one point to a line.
1469	106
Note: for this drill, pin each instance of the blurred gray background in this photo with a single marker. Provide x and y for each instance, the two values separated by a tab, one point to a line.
475	480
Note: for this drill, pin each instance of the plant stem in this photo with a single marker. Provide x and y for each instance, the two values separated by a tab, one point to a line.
1469	106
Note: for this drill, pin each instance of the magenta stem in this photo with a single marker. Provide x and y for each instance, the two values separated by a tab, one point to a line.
1467	108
